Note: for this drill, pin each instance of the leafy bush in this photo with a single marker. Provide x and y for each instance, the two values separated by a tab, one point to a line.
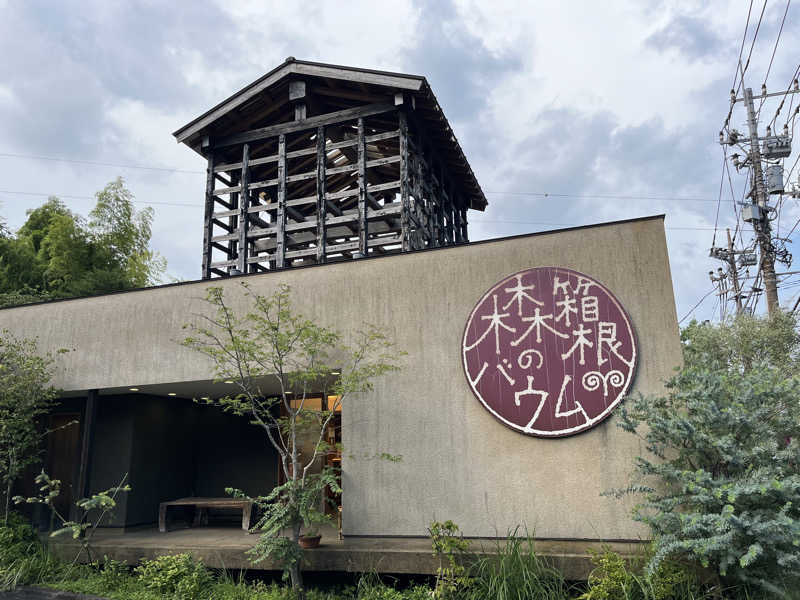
722	484
23	559
450	547
370	587
178	574
112	574
514	571
615	578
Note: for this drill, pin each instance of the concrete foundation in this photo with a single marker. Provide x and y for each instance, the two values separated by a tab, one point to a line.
226	548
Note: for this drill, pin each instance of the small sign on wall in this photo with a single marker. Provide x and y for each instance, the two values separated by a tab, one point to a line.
549	351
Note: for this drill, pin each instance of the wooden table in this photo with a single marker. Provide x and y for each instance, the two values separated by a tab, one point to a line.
202	505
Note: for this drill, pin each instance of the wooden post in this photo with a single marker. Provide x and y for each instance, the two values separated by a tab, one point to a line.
363	234
404	183
464	232
420	195
457	219
297	95
208	225
233	220
87	441
322	234
244	204
449	231
280	242
440	235
433	197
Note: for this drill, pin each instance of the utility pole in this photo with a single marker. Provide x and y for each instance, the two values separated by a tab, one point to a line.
737	295
728	256
760	220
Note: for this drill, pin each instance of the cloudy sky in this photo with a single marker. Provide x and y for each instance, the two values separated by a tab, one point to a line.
611	108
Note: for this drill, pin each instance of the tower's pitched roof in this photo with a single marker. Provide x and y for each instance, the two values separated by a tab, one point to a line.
266	101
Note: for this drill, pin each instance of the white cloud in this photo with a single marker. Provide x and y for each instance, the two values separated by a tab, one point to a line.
616	98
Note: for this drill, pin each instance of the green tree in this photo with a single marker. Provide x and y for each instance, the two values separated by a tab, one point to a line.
57	254
722	479
25	395
122	235
278	359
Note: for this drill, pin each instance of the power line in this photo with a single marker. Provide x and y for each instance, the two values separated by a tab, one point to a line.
699	302
98	163
198	172
154	202
499	193
741	48
719	199
77	197
516	222
752	45
601	196
778	39
792	79
738	64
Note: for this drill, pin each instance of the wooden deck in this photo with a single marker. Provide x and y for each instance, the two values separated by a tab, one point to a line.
226	547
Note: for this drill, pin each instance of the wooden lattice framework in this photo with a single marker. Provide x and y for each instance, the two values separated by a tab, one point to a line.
318	163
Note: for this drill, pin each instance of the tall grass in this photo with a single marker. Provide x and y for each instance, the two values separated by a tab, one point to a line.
23	559
514	572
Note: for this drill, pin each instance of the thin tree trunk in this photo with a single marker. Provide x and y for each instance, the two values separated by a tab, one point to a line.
8	500
296	572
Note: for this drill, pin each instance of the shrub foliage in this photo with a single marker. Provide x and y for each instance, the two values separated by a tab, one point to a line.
721	483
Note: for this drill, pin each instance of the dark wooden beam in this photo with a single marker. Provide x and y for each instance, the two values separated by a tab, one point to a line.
363	233
223	225
422	198
244	204
322	234
310	123
440	234
225	182
297	90
207	219
404	183
233	220
459	230
280	242
87	443
350	95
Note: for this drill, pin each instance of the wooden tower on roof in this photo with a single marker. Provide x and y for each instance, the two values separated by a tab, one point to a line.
316	163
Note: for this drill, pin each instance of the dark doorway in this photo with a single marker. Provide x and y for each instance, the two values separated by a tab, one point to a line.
63	448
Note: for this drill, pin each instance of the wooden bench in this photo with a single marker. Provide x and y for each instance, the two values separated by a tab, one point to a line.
202	505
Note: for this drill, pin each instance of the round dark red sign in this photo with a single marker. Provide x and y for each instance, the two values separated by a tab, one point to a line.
549	351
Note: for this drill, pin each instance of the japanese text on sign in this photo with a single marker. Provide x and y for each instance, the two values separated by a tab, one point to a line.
549	351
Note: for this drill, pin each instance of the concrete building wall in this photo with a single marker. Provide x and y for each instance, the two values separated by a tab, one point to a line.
458	462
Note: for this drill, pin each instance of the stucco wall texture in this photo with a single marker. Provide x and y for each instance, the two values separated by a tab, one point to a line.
458	462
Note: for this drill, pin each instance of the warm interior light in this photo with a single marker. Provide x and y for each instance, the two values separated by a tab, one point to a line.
134	389
336	372
204	398
172	394
228	381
